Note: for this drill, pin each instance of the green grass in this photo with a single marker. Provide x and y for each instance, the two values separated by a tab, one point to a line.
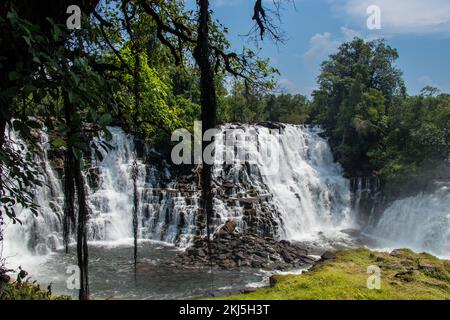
404	276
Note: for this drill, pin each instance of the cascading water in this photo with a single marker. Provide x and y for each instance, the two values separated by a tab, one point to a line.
303	186
163	212
36	235
304	193
421	223
111	195
309	189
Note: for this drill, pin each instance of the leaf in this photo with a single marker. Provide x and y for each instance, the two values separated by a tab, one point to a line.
99	155
27	40
14	75
58	143
105	119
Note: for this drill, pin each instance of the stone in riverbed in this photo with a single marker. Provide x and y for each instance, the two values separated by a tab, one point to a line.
240	256
286	256
228	228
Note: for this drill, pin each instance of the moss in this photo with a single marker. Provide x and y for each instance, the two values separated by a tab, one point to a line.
27	291
405	275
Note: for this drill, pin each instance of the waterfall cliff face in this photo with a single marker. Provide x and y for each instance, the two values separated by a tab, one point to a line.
301	193
421	222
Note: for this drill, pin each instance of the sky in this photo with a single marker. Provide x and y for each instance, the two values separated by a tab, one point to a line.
418	29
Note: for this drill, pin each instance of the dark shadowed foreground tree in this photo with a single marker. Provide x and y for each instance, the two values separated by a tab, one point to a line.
57	82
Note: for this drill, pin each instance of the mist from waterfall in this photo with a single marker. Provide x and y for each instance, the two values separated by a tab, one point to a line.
421	222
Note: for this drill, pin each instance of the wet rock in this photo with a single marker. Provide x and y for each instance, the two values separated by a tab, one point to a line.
233	250
286	256
328	255
273	281
248	290
271	125
228	228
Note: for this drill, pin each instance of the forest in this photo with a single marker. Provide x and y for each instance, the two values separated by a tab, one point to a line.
151	67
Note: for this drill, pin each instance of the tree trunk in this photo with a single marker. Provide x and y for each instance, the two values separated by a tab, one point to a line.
135	173
69	200
2	141
82	247
69	220
74	181
208	103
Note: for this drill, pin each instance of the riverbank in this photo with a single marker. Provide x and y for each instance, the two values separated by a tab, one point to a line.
27	291
405	275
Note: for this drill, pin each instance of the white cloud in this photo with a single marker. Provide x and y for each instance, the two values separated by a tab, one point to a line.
400	16
428	81
349	34
320	46
287	85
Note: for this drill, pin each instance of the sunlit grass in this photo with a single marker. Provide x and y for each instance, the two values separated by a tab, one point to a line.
405	275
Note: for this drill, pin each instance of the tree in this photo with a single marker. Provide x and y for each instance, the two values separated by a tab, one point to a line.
357	86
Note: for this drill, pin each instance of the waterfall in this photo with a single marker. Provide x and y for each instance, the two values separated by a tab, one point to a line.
366	196
304	193
110	193
309	189
36	235
421	223
164	213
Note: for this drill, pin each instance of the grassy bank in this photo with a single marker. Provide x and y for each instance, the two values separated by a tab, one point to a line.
404	275
26	291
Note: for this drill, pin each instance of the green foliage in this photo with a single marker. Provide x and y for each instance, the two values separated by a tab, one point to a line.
27	291
417	140
253	105
373	126
36	91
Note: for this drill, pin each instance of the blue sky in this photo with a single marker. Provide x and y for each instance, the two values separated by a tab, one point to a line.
419	29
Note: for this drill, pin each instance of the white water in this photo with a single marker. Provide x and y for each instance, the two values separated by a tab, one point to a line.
112	201
304	196
309	189
36	236
421	223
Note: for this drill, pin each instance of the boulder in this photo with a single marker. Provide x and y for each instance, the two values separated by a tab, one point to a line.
286	256
328	255
228	228
426	266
